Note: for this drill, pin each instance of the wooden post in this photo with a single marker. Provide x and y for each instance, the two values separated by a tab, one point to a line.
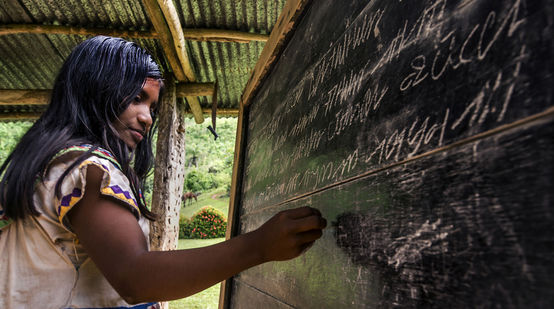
169	172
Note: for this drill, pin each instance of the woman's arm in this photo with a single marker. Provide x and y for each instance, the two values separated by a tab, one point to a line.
112	237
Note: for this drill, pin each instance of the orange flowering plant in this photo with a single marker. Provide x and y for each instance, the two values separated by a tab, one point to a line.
206	223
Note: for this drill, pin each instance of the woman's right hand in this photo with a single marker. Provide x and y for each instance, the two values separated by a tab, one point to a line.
289	233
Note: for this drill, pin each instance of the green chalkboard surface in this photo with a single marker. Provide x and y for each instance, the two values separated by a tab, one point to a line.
424	132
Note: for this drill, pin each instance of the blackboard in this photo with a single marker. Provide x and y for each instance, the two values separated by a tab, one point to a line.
423	131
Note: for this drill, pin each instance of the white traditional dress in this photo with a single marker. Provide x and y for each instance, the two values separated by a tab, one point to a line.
42	264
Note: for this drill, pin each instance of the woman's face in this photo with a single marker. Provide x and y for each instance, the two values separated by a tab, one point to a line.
135	121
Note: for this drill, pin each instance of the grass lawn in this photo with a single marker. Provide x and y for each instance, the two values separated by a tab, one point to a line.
207	299
213	198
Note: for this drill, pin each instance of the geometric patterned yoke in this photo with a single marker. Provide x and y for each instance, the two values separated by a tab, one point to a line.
42	263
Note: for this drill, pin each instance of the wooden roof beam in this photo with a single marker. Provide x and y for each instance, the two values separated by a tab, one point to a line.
164	35
166	22
41	97
210	35
221	35
195	89
31	116
55	29
7	117
24	97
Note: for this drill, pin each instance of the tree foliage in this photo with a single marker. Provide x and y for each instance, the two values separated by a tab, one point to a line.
10	133
209	162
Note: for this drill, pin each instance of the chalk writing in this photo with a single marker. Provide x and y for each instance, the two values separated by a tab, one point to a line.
421	69
342	93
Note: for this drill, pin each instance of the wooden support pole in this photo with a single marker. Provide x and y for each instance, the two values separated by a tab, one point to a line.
169	172
54	29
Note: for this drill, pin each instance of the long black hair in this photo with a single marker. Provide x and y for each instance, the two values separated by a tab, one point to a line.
96	83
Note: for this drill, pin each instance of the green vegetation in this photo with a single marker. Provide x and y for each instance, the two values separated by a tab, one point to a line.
10	133
207	299
206	223
209	162
216	198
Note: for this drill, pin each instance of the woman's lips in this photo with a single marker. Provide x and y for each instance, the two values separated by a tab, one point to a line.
137	135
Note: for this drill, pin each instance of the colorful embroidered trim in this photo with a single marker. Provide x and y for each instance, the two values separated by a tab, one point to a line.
102	153
67	202
121	195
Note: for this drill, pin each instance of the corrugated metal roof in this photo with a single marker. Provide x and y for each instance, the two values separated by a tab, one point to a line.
31	61
230	64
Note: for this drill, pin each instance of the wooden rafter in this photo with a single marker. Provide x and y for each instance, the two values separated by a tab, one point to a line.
19	116
174	25
224	112
211	35
220	35
164	35
39	99
54	29
195	89
166	22
24	97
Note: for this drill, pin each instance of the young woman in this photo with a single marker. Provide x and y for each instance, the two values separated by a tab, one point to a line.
73	223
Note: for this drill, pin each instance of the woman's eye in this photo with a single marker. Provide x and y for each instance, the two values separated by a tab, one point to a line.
137	99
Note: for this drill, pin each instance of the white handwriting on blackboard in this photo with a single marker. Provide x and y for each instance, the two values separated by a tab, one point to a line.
489	34
343	102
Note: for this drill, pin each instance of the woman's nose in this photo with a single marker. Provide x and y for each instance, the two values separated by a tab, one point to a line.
144	117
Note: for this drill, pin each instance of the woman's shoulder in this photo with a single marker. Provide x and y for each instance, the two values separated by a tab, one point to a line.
72	153
72	168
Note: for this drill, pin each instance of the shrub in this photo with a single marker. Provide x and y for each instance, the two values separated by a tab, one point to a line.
185	227
208	223
197	181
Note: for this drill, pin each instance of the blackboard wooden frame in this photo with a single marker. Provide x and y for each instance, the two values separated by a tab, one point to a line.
292	11
471	168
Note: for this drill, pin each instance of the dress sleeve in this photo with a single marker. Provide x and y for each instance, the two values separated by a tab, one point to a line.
114	184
